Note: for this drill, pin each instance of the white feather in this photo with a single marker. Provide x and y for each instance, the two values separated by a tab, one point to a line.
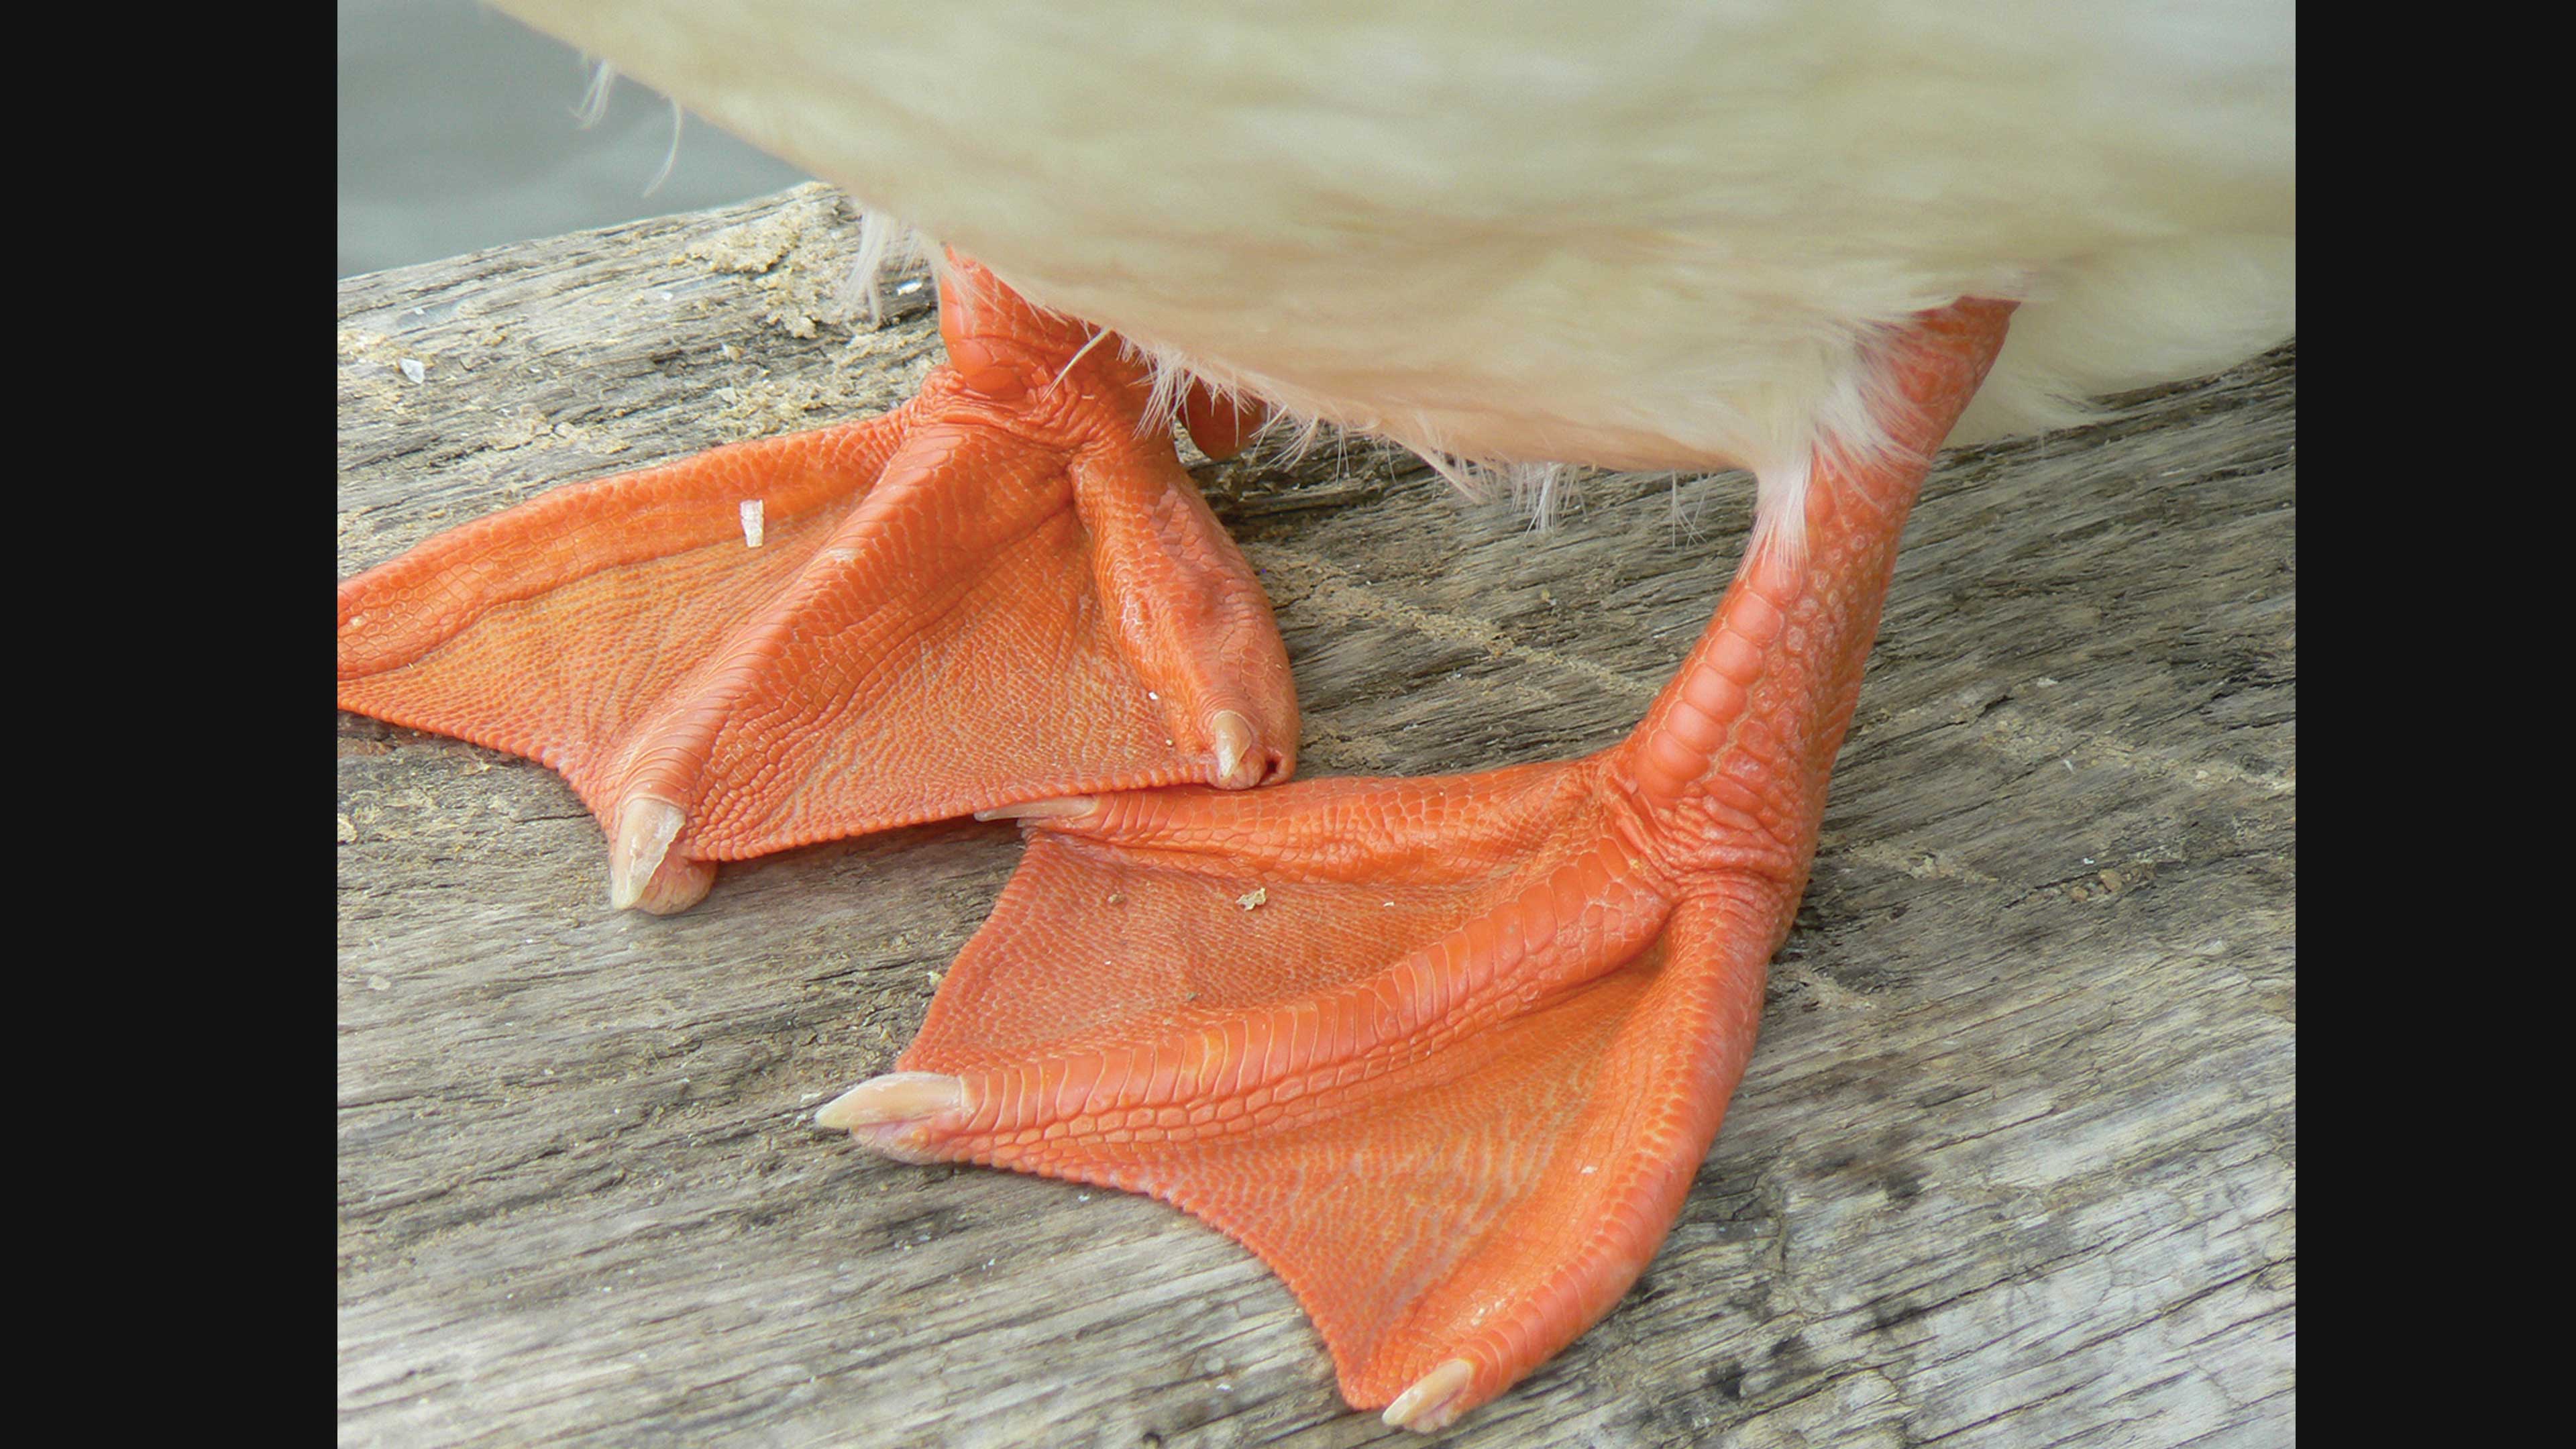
1512	234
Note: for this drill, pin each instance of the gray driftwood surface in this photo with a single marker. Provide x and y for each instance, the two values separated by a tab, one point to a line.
2013	1164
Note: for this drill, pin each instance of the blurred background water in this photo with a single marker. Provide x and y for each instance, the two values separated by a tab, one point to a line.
457	132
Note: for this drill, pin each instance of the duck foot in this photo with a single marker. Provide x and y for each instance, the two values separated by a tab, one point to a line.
1005	590
1445	1052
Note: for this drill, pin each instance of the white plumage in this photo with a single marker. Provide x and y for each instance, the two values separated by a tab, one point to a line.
1638	234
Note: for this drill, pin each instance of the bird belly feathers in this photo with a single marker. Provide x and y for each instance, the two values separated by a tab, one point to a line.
1647	234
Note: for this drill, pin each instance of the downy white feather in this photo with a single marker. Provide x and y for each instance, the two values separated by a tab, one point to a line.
1515	234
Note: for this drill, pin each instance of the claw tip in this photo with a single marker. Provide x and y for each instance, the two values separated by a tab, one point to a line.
645	829
894	1097
1432	1401
1234	744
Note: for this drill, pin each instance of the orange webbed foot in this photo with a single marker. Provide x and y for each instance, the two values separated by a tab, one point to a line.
1447	1052
1005	590
1437	1050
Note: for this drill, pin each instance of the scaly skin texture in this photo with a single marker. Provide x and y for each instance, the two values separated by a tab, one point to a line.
1006	589
1445	1052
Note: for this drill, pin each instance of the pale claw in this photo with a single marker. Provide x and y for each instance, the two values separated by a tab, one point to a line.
1237	767
645	829
678	885
1427	1405
894	1099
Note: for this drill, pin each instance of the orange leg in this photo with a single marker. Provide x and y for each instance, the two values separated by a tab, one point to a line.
1446	1053
1003	591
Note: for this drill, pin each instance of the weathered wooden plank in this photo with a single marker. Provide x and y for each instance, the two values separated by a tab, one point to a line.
2012	1166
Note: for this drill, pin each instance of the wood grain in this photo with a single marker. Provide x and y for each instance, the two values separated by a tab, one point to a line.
2014	1163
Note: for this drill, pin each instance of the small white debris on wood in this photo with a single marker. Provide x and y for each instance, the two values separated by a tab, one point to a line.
751	522
411	368
1253	897
908	288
